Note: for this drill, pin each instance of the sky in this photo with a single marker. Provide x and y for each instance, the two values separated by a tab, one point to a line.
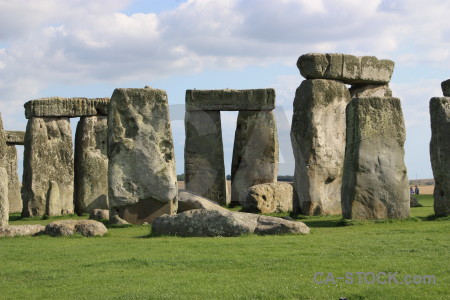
87	48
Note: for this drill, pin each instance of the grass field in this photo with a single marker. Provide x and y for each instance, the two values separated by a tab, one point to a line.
128	264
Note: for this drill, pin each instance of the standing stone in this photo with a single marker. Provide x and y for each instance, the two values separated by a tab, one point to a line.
53	200
439	153
141	174
370	90
375	182
269	198
4	205
48	156
445	85
318	141
91	164
255	152
14	197
204	167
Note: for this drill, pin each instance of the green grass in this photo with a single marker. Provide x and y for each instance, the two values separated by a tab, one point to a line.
128	264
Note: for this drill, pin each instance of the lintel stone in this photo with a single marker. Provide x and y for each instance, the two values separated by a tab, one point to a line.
446	87
230	100
66	107
15	137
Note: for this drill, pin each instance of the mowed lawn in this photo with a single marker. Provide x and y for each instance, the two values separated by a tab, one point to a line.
128	264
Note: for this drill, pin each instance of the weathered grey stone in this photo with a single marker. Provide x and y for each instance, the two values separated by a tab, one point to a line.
204	167
255	152
91	164
375	182
15	137
99	214
48	156
21	230
14	197
413	202
257	99
318	141
141	174
203	222
70	227
4	203
269	198
188	201
370	90
66	107
445	85
439	153
346	68
53	199
116	220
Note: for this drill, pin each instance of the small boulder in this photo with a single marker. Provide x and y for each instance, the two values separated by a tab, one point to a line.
70	227
413	202
189	200
269	198
21	230
99	214
202	222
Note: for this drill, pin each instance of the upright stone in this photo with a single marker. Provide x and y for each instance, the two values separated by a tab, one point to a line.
91	164
445	85
375	182
439	153
14	197
204	167
318	141
48	156
4	205
53	200
141	173
255	152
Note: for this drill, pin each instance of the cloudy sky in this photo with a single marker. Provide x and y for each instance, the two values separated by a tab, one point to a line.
87	48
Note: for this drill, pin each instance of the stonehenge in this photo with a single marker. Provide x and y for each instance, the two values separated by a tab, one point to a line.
255	152
142	181
439	151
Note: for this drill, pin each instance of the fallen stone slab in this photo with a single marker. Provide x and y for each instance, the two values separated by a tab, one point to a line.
15	137
189	201
99	214
230	100
70	227
439	153
21	230
210	223
445	85
269	198
370	90
66	107
349	69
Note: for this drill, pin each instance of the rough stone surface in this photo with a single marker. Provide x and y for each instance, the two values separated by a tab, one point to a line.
202	222
4	203
91	164
346	68
116	220
204	167
370	90
99	214
439	153
269	198
413	202
14	186
15	137
70	227
66	107
48	156
255	152
21	230
53	199
188	201
445	85
141	174
318	141
375	183
257	99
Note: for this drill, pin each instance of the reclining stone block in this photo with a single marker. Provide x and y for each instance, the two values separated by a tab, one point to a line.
439	153
66	107
91	164
141	174
255	153
15	137
204	167
346	68
318	140
48	156
226	100
375	181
